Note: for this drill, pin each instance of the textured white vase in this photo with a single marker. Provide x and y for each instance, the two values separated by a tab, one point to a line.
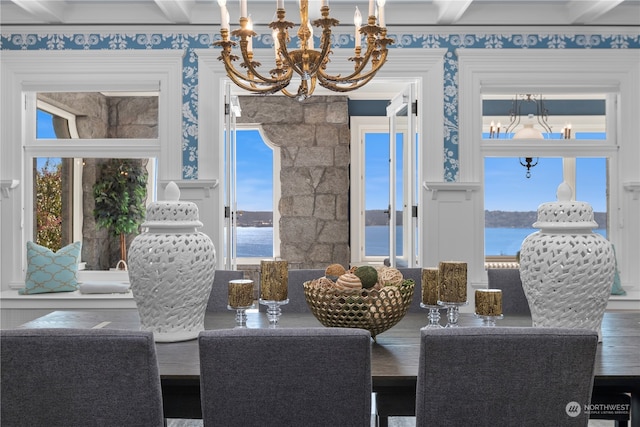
566	269
171	269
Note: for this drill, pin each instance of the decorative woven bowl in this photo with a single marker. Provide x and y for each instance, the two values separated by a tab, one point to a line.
370	309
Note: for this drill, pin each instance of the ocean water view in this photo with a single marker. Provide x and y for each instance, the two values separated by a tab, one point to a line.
258	241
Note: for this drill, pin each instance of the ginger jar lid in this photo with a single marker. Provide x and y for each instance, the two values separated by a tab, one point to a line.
565	213
172	213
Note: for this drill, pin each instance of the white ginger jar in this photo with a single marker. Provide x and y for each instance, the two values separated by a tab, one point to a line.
566	269
171	269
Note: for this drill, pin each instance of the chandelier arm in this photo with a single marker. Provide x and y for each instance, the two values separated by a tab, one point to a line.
514	119
301	94
334	86
324	54
543	115
252	71
252	87
237	76
356	75
246	82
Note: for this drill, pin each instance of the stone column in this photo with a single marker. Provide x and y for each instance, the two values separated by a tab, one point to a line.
314	139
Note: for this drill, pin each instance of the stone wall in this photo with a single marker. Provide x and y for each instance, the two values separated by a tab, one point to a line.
314	204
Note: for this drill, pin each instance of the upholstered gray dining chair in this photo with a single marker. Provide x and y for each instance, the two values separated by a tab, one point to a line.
504	376
414	273
297	301
79	377
285	377
219	297
514	301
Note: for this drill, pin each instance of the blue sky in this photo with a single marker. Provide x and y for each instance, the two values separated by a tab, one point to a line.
254	160
507	187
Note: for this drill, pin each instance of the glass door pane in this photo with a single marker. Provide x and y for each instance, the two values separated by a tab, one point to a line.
233	109
376	184
402	180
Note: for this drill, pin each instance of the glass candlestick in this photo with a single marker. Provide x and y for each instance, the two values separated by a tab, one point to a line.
434	315
452	312
273	310
489	320
241	315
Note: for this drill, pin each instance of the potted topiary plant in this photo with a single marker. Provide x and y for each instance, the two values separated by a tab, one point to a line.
120	193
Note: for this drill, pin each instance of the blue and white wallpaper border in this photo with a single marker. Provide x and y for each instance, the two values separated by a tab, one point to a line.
189	42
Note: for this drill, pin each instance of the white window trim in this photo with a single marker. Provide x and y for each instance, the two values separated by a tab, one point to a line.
277	165
360	126
22	75
562	70
77	171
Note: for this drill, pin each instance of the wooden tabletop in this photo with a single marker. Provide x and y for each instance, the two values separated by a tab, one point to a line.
394	354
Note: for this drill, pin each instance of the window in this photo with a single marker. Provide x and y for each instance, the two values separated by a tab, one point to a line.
100	71
254	166
513	191
376	185
63	187
371	193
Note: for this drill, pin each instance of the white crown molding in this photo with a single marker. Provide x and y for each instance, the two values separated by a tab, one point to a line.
401	12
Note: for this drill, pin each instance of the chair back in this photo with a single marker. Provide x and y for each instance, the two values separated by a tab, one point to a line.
297	301
285	377
415	274
79	377
219	297
514	301
505	376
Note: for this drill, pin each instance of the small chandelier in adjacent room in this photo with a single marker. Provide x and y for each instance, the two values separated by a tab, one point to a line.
307	62
531	106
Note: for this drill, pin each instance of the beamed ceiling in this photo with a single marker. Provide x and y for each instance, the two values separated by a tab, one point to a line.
398	12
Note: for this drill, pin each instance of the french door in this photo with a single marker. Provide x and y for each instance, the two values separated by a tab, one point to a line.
403	182
232	111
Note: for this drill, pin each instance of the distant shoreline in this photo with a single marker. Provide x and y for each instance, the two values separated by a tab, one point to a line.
493	219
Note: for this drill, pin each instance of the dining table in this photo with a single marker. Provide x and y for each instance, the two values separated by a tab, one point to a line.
394	354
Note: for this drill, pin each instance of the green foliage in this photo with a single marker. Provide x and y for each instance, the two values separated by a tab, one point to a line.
48	182
120	193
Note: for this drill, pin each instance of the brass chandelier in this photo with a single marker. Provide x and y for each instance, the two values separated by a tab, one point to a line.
308	63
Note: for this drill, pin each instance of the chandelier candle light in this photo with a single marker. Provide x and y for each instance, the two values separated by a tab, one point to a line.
307	62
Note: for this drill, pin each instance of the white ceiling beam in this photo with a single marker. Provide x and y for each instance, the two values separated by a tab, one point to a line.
449	12
49	11
177	11
584	12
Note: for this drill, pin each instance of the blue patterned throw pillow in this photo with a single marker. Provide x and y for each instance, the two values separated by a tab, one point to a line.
49	271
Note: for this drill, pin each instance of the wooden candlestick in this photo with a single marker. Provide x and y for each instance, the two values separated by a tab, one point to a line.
274	280
488	302
430	286
240	293
452	277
